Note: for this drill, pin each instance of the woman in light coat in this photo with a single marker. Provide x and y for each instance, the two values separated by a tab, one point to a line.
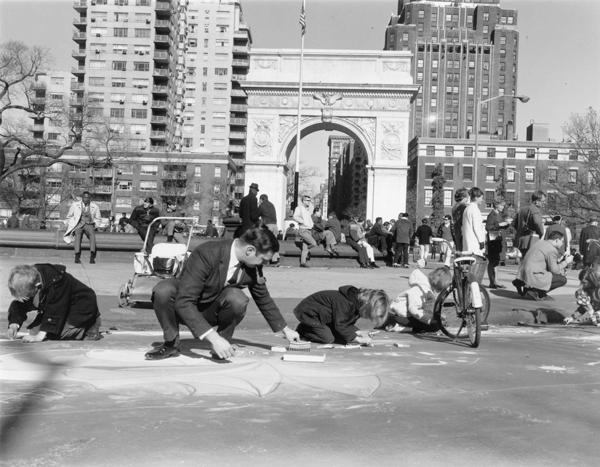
473	230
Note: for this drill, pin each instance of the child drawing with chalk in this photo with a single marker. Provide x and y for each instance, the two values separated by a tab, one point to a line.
412	310
587	297
330	315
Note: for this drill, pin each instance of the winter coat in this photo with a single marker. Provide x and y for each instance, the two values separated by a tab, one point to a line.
402	231
142	217
529	225
473	231
62	299
337	309
333	225
74	216
418	301
540	262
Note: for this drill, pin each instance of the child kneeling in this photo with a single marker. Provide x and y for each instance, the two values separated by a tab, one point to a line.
588	299
329	316
412	310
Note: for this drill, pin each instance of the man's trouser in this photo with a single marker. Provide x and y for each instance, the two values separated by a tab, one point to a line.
225	312
401	249
88	230
558	280
142	230
308	242
274	230
169	230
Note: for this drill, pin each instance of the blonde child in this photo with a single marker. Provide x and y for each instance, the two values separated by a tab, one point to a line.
412	310
588	299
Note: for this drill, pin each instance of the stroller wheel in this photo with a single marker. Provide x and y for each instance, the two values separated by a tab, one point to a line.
123	296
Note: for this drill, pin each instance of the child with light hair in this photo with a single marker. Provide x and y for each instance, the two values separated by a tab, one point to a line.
412	310
588	299
66	308
330	315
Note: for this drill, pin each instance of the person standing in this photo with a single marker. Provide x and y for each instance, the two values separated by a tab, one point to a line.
303	216
473	231
209	294
402	232
494	225
82	218
461	200
423	235
13	221
268	215
541	269
589	232
248	211
529	224
141	219
446	232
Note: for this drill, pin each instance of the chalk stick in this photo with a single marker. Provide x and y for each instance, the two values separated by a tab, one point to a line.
278	348
401	345
303	358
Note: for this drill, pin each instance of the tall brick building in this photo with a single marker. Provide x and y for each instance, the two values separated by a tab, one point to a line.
465	52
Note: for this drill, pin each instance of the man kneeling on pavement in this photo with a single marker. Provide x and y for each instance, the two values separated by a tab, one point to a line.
541	270
209	294
66	308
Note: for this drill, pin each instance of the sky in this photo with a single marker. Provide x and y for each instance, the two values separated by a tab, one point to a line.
559	58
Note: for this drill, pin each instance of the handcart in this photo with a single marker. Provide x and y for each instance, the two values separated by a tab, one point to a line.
165	261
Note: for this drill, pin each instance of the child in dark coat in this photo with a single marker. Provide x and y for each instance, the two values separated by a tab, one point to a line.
330	315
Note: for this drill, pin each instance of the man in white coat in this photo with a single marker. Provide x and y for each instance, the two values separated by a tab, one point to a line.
473	230
82	218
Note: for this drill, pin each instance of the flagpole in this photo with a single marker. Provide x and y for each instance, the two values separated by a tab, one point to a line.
296	201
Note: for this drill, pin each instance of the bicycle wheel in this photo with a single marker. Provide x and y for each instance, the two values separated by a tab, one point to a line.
448	314
485	309
473	318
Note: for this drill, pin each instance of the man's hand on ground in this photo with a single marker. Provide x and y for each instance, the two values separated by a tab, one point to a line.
39	337
362	340
291	336
220	346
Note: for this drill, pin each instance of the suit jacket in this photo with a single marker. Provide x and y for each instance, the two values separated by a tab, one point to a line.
74	216
402	231
62	299
203	278
590	232
530	227
248	212
540	262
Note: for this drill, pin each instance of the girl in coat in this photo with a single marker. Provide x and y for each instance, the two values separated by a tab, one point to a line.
330	315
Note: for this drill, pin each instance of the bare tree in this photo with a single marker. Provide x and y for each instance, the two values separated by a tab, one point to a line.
575	192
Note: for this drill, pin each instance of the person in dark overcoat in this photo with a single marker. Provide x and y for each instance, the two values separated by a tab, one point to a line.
495	225
66	308
249	212
529	223
141	219
330	315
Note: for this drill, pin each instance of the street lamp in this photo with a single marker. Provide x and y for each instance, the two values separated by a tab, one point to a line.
506	170
523	99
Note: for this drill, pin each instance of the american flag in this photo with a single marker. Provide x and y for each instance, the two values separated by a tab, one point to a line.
303	19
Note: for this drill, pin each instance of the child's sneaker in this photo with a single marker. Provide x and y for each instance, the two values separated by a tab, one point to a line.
397	328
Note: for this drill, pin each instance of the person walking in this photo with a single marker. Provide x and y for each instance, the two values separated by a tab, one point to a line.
529	224
141	219
589	232
461	201
268	215
446	232
473	231
303	216
495	225
402	232
249	213
423	234
82	219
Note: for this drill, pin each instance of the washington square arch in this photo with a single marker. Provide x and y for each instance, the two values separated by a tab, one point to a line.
365	94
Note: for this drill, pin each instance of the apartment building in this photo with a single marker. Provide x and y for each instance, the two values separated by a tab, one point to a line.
466	61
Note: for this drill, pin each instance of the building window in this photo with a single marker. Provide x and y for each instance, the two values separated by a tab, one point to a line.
139	98
447	198
429	171
449	151
529	174
491	152
117	97
221	71
97	32
510	174
433	102
148	185
572	176
120	32
552	174
142	33
198	171
97	65
147	169
467	173
119	66
125	185
428	196
188	142
490	195
530	154
188	128
219	101
509	198
490	174
117	113
139	113
217	171
141	66
449	172
553	155
217	142
468	151
216	189
221	43
123	202
140	83
573	155
431	150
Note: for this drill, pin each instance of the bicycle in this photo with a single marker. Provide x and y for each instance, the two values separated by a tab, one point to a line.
464	305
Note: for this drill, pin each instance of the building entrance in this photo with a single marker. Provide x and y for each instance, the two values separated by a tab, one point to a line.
364	94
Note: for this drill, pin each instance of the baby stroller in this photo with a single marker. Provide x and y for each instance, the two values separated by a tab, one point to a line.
165	261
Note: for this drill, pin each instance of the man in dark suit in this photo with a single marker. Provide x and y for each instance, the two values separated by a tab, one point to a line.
209	293
588	233
529	223
249	212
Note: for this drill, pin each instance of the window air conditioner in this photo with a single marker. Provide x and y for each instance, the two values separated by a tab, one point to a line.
98	35
147	21
145	103
137	132
125	20
97	51
124	52
122	102
93	20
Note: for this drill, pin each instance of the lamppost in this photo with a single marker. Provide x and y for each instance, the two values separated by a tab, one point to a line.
523	99
506	170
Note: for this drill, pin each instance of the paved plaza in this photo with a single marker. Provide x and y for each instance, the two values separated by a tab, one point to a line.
529	395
